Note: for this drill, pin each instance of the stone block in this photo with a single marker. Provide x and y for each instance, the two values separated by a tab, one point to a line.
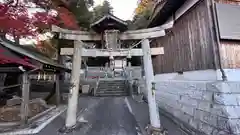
169	102
225	99
222	87
201	85
205	106
204	127
188	101
185	117
188	109
194	123
211	107
169	108
232	111
191	85
167	95
14	101
212	87
234	126
234	87
85	89
178	113
219	132
191	93
222	123
206	117
208	96
219	110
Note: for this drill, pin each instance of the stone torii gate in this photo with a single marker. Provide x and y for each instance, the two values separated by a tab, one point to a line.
78	51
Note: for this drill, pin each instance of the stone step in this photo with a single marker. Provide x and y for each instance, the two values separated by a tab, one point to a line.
115	87
112	81
111	94
111	84
111	88
106	90
112	91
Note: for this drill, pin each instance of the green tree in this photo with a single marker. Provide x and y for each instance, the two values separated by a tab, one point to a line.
101	10
80	8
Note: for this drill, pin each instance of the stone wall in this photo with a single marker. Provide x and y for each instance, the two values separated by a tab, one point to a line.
212	107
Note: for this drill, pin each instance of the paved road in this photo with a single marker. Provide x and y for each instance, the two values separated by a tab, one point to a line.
141	113
110	116
105	116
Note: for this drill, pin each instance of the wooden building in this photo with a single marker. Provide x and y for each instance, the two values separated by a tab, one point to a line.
197	77
205	35
18	65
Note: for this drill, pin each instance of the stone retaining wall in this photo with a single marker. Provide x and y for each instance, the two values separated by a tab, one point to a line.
210	107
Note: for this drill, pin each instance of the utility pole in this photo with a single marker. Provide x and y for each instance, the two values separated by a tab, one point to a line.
71	119
150	86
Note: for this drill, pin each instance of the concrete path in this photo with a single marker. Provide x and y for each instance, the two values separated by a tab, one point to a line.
105	116
141	114
111	116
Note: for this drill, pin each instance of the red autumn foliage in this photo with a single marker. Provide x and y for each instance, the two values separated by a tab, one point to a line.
16	20
67	18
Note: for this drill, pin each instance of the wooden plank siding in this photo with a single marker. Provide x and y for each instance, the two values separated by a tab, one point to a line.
188	45
230	54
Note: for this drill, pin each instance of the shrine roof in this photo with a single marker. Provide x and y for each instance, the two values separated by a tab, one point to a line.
12	53
108	22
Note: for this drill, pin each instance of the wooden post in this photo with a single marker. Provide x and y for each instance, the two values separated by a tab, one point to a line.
57	89
71	119
25	98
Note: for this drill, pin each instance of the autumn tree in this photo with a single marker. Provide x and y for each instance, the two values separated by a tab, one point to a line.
17	21
142	14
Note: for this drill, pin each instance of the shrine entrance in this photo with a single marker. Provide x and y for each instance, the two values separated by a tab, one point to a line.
112	43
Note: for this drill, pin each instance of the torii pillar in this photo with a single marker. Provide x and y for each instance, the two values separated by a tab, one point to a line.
148	68
71	119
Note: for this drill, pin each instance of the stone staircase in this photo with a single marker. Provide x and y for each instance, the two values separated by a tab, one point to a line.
112	87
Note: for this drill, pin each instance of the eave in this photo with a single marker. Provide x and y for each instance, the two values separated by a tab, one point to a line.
163	11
